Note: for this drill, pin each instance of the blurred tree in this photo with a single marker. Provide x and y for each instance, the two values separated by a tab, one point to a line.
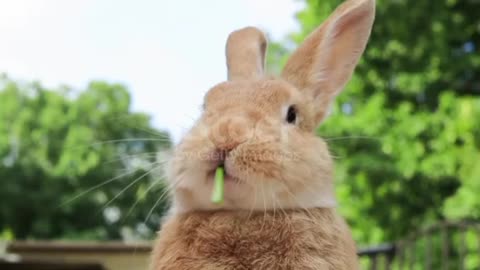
58	144
406	129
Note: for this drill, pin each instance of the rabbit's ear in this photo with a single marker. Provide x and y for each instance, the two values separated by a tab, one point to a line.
325	61
245	52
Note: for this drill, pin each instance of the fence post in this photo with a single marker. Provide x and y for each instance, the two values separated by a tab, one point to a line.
412	255
373	259
445	247
461	249
402	254
428	251
389	259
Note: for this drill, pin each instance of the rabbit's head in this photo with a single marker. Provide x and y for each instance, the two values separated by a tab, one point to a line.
261	129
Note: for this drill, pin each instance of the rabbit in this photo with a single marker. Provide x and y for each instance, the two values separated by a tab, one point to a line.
279	204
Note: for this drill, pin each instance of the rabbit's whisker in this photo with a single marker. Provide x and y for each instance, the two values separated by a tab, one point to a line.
281	209
254	200
264	207
328	139
162	196
142	196
95	187
274	201
287	189
127	187
98	143
123	157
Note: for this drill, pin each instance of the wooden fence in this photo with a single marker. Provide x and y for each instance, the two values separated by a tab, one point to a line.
444	246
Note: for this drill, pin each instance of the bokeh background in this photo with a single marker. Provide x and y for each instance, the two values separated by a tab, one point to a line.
94	93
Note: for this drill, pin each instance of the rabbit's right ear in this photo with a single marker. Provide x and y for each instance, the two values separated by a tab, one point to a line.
245	52
324	63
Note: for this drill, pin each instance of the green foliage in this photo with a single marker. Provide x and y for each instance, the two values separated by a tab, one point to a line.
406	129
57	144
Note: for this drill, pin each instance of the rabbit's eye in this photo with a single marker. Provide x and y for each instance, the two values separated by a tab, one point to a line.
291	114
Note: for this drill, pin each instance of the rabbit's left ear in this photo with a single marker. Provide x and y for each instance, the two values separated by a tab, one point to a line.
324	63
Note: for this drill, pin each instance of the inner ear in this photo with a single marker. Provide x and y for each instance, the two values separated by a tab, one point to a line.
245	52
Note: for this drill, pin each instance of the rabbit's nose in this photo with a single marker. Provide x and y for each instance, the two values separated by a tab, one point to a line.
228	133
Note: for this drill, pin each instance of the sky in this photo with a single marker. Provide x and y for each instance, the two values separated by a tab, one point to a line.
168	53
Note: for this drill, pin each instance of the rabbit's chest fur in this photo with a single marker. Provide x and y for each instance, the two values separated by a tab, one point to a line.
293	239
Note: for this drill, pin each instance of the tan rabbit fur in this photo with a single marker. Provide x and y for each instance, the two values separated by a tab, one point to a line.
290	239
279	206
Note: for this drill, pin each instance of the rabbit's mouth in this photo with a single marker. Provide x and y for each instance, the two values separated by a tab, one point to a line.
228	177
221	159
